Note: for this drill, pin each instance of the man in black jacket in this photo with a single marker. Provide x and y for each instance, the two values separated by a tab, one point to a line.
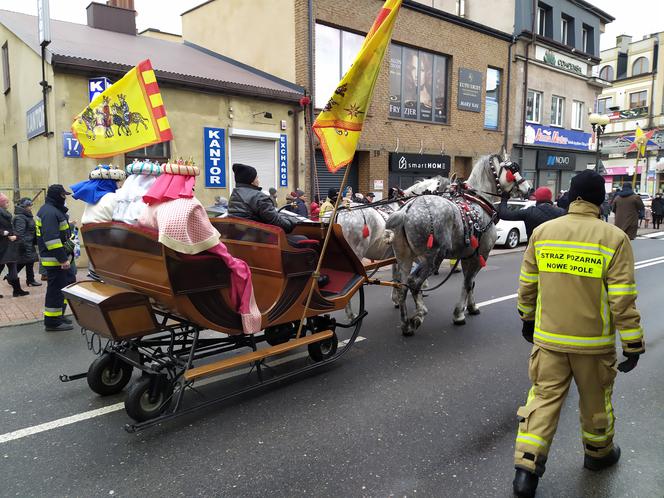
56	253
534	216
657	210
247	201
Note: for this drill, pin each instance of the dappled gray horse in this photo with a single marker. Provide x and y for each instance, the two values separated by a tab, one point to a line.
369	242
431	228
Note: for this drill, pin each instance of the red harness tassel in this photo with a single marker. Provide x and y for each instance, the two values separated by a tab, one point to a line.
482	261
365	231
473	242
430	241
510	176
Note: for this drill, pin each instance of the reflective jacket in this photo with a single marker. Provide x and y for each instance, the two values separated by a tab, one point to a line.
577	283
52	226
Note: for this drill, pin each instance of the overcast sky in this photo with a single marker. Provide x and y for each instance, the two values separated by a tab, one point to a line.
633	17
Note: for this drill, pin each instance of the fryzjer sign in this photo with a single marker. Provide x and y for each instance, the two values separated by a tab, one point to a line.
557	137
556	160
429	163
469	92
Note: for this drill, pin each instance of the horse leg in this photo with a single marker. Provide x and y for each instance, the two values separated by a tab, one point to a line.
469	283
395	290
470	268
415	282
404	271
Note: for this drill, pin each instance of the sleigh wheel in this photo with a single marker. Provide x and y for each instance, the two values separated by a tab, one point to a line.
108	374
319	351
148	398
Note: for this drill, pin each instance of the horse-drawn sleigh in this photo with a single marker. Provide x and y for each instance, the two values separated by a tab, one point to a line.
153	306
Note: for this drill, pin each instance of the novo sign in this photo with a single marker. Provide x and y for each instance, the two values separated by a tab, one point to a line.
429	163
555	161
560	61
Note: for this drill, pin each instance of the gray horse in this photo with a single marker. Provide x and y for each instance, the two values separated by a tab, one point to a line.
371	243
430	228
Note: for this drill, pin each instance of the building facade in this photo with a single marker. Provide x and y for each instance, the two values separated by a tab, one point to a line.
257	116
635	98
440	100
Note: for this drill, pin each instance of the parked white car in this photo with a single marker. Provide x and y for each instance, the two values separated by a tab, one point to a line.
512	233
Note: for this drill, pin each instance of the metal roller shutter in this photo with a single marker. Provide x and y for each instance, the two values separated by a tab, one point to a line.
261	154
328	180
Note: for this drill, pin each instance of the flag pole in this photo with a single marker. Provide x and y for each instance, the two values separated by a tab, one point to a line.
316	273
636	167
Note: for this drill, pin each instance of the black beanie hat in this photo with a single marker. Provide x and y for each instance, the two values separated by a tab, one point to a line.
244	173
589	186
333	193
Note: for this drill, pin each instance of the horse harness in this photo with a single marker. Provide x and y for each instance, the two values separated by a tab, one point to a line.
512	169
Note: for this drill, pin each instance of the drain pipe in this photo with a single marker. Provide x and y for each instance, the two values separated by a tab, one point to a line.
309	134
507	100
525	85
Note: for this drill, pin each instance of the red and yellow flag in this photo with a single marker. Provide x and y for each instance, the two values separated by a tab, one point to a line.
339	125
126	116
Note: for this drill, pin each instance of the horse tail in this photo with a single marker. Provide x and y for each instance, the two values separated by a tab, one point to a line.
388	236
394	223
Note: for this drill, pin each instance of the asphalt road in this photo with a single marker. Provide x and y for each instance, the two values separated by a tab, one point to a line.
429	415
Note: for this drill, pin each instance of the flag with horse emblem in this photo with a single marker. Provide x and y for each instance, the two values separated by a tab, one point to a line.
128	115
339	125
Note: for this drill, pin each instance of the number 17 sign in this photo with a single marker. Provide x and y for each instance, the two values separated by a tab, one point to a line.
71	146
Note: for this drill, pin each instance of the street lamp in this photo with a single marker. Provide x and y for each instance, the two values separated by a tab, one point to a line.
598	123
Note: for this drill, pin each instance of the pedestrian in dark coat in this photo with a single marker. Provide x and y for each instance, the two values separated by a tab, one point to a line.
605	210
24	227
627	206
657	210
533	216
8	247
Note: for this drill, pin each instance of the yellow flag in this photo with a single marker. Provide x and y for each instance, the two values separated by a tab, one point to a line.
128	115
640	139
339	125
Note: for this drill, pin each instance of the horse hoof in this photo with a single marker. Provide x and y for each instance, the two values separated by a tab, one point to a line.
407	331
473	311
415	322
436	272
461	321
396	306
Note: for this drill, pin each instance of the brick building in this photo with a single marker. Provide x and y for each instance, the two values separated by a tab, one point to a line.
440	100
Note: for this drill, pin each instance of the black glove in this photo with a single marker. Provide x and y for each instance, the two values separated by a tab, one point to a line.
528	330
505	195
630	363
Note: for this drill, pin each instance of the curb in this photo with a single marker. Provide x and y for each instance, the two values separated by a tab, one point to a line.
26	322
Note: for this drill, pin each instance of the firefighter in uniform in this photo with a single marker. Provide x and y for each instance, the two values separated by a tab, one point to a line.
576	289
55	254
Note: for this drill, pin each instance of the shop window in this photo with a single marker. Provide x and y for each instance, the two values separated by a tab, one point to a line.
640	66
335	52
5	68
638	99
557	110
156	153
418	85
603	105
606	73
492	99
577	115
534	107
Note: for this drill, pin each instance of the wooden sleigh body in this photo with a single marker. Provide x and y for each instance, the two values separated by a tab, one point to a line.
151	304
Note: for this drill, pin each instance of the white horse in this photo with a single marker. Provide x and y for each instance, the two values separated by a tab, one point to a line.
431	228
364	227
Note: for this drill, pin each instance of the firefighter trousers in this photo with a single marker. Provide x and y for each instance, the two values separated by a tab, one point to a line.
551	373
54	307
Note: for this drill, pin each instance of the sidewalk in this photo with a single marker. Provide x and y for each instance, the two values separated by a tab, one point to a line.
26	309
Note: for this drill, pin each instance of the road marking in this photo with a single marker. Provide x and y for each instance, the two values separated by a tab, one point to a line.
653	235
79	417
29	431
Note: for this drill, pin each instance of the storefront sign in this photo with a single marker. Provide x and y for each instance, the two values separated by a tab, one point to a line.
555	161
70	145
283	161
214	151
34	119
434	164
560	61
558	137
97	86
469	92
622	170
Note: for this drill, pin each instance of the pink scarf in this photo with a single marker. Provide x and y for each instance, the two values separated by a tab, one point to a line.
170	187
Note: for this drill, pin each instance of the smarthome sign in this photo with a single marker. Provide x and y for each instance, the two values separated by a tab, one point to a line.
214	150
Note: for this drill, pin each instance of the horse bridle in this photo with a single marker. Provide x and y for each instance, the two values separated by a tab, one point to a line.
512	169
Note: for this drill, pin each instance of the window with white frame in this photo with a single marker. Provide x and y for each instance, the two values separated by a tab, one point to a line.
640	66
335	51
577	115
557	110
587	39
534	106
541	21
564	26
603	105
461	8
606	73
